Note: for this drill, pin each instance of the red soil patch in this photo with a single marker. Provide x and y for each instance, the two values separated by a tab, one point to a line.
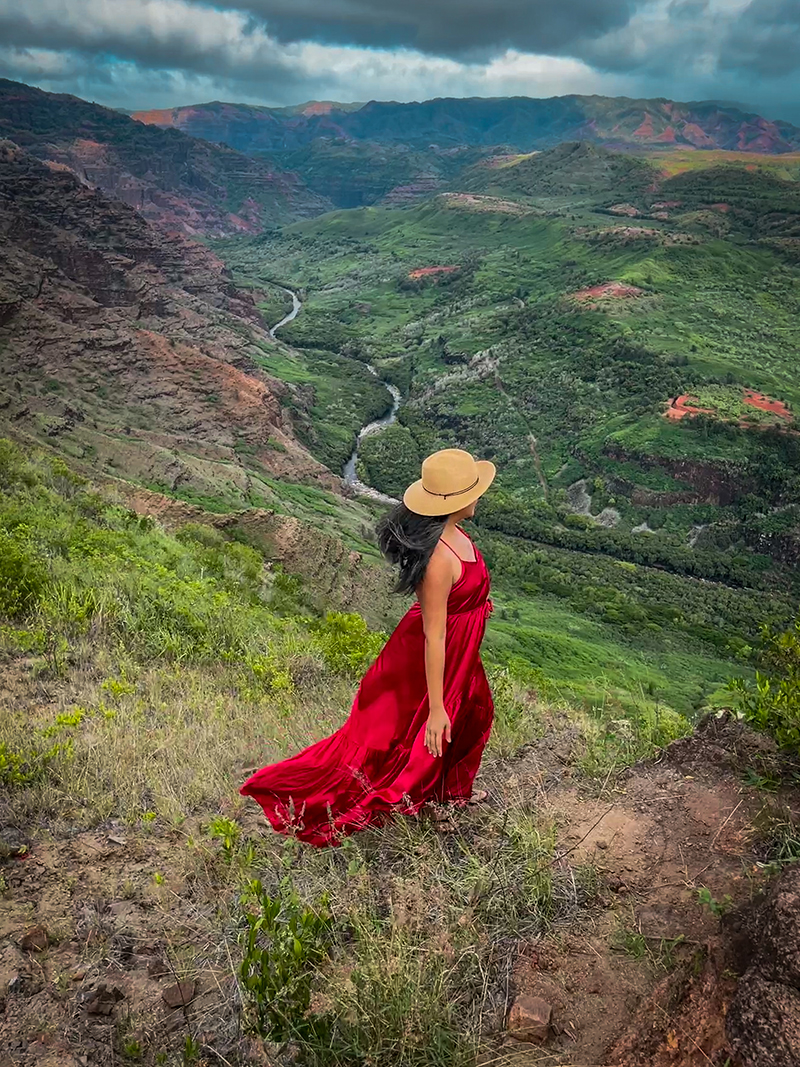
766	403
318	107
667	204
685	405
155	117
608	290
697	136
424	272
667	137
645	129
720	207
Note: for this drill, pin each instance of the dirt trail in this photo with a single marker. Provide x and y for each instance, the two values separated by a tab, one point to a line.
670	830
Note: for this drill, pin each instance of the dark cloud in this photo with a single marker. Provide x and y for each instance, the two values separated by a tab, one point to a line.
764	39
456	28
136	53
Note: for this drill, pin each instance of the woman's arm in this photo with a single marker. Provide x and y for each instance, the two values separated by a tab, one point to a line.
433	593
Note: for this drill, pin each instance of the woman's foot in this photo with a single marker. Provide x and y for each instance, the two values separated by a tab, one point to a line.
441	819
478	797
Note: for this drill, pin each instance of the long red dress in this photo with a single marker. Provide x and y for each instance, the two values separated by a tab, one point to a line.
377	762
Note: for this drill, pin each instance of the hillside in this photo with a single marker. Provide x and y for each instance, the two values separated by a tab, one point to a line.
576	171
522	123
145	668
190	589
131	350
172	179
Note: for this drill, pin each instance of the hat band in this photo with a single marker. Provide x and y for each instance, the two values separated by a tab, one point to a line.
456	492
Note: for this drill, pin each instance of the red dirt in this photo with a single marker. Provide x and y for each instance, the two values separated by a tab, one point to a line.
645	129
423	272
608	290
697	136
719	207
685	405
765	403
667	137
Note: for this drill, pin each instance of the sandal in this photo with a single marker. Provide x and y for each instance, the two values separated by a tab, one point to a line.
478	797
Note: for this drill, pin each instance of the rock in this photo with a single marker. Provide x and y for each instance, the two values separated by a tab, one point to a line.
157	968
34	940
78	976
103	999
763	1020
529	1019
180	994
122	909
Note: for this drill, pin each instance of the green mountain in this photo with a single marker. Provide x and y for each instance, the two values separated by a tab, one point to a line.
172	179
577	171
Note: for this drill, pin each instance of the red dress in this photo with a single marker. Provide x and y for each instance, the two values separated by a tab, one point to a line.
377	763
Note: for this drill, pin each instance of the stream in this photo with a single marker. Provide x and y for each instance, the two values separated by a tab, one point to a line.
349	473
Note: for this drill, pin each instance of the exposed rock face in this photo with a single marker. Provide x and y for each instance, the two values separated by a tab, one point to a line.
145	335
763	1021
174	180
333	575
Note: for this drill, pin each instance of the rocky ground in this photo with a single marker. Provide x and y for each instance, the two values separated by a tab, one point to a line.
131	349
686	954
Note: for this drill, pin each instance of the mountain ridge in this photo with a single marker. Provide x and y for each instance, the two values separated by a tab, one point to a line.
522	122
177	181
132	348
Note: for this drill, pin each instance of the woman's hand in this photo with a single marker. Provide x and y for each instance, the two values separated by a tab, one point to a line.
437	730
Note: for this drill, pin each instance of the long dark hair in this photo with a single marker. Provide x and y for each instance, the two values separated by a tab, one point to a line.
408	540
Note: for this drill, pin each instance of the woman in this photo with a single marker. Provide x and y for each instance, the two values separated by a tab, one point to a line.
423	711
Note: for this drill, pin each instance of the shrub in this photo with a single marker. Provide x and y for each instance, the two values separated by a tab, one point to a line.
772	702
348	646
22	577
22	767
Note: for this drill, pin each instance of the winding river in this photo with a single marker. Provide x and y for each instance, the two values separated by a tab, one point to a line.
349	474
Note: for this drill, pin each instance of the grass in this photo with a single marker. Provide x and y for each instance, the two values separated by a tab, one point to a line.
170	662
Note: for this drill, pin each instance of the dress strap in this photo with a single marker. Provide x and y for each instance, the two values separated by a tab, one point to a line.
451	549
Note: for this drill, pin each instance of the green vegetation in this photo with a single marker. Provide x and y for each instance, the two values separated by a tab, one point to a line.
173	660
655	584
772	701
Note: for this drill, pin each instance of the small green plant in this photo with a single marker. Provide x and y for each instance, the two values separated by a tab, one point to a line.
227	832
191	1051
23	576
284	943
764	782
716	907
631	942
20	767
133	1049
118	687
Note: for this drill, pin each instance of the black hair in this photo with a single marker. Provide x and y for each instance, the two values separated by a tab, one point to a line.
408	540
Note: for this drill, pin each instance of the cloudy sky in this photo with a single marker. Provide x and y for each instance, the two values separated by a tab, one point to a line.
164	53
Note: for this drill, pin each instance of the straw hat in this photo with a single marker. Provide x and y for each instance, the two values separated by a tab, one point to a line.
451	479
